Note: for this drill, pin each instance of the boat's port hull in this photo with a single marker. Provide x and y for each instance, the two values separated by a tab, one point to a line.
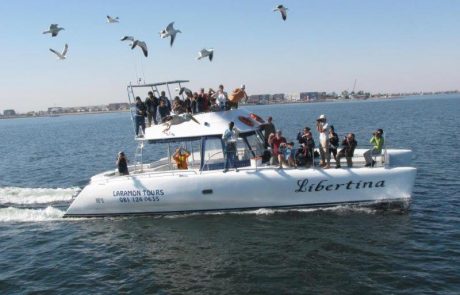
246	189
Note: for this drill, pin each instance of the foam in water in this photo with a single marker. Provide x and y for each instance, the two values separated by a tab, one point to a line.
30	215
29	196
339	209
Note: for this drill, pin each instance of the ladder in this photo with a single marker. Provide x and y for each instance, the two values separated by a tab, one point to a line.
138	164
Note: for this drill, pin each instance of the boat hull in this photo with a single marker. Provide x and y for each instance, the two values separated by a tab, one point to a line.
246	189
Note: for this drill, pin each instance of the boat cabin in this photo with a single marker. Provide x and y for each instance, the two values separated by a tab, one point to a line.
200	135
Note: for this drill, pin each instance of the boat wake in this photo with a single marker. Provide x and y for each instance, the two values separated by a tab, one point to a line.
339	209
12	214
19	204
31	197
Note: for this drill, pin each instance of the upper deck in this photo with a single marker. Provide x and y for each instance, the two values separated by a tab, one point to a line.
187	126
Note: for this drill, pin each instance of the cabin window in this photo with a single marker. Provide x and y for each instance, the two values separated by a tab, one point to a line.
213	152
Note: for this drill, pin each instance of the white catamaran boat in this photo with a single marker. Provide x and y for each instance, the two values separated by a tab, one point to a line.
160	187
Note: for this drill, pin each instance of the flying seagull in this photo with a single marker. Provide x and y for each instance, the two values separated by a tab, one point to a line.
185	90
54	30
112	20
170	32
142	45
128	38
60	55
205	53
281	9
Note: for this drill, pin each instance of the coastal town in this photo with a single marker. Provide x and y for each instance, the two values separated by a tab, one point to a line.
255	99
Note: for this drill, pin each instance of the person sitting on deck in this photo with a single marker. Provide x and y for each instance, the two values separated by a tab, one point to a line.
302	136
180	156
289	155
349	144
377	141
122	164
305	154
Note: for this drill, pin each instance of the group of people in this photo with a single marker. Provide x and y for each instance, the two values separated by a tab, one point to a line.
283	153
192	103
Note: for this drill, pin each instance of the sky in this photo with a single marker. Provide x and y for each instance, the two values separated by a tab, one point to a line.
386	45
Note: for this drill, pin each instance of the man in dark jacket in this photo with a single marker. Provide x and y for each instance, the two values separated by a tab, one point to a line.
151	103
140	115
348	148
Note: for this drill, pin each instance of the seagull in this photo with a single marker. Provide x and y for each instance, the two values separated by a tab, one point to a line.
170	32
112	20
281	9
205	53
54	30
185	90
142	45
60	56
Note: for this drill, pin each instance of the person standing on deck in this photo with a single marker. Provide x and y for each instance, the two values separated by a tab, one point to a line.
269	128
229	138
151	103
222	97
166	100
322	128
275	142
140	115
377	141
163	110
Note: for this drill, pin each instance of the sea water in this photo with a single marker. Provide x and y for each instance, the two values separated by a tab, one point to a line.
45	161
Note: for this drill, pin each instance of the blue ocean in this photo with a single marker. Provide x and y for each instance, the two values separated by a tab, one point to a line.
339	250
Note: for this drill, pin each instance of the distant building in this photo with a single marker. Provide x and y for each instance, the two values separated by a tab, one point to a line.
9	113
277	97
307	96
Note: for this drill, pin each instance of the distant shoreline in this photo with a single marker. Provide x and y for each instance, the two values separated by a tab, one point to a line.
25	116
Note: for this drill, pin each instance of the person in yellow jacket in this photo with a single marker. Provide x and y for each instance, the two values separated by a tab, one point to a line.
377	141
180	156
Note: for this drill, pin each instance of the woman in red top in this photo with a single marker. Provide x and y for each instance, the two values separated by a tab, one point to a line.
275	143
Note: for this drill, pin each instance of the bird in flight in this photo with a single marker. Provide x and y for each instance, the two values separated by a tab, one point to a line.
141	45
112	20
206	53
54	30
61	55
170	32
282	10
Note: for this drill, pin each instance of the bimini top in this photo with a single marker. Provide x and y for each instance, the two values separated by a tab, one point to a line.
159	84
187	126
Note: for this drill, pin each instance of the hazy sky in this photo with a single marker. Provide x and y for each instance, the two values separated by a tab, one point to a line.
410	45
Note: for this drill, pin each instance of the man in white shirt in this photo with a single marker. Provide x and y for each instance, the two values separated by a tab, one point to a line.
230	137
